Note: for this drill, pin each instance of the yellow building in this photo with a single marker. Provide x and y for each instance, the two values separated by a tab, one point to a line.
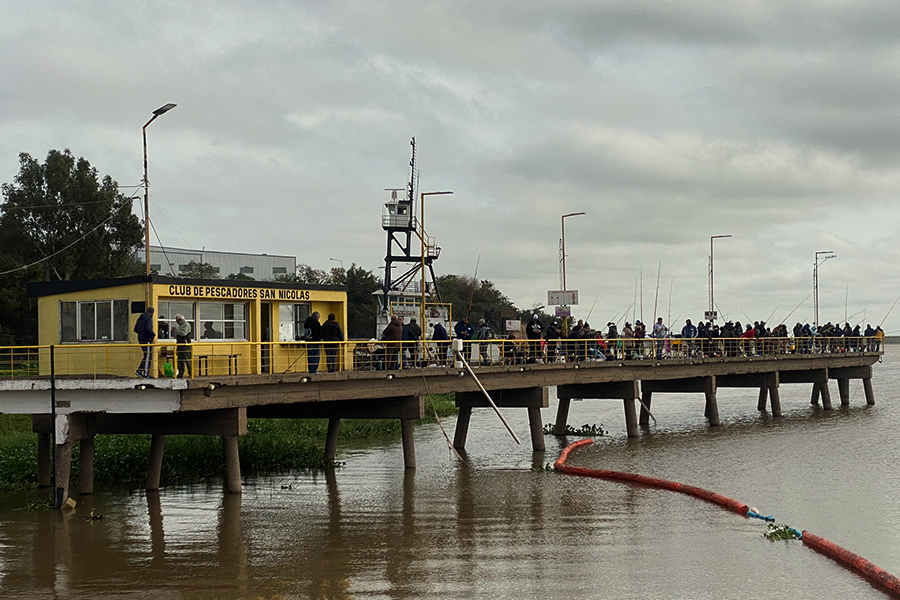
238	327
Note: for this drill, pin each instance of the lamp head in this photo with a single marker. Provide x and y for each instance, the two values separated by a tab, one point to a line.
164	109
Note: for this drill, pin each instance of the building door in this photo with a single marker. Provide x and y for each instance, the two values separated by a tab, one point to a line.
265	336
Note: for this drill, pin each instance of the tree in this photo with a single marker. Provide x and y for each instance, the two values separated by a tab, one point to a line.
200	270
61	215
362	305
239	277
478	299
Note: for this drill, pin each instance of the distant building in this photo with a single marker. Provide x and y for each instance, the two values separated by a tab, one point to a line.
171	262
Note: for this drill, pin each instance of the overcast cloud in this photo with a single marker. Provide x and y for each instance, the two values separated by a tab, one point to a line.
667	122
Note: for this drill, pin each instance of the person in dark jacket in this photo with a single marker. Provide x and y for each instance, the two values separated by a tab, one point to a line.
533	333
312	333
392	333
146	332
442	342
331	332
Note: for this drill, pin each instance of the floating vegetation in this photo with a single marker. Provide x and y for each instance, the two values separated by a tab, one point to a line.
586	430
781	532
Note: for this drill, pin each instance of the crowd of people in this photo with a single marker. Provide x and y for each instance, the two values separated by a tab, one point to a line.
400	344
705	339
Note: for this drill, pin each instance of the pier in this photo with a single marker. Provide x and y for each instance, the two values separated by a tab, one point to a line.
76	408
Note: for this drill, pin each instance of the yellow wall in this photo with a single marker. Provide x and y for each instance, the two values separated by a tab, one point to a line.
123	358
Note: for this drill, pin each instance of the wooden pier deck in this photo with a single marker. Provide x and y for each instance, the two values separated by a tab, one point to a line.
221	405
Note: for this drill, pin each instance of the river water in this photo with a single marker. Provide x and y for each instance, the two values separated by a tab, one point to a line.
492	527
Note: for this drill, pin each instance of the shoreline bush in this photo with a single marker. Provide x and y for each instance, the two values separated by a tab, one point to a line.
271	446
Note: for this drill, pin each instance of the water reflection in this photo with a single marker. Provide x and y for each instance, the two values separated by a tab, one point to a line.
493	525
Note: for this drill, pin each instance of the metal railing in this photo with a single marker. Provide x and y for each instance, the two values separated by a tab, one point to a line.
217	359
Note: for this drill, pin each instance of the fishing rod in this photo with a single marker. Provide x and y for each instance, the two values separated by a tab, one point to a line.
773	314
474	283
793	311
889	311
656	300
592	308
669	313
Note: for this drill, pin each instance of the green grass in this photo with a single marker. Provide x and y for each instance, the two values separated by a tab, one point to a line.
270	446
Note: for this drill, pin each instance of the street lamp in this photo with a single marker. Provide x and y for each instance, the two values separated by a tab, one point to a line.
337	260
563	260
424	244
159	111
821	257
712	298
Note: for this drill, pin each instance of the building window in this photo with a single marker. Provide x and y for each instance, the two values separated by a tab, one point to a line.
222	321
279	270
246	270
94	321
291	318
154	267
165	318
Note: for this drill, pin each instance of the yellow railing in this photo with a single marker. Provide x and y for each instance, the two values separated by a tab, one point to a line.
207	359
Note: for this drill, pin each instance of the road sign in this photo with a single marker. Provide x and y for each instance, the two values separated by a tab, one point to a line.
710	315
563	311
563	298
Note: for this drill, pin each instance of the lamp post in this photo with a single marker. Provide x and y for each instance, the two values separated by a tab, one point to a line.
424	244
159	111
563	259
821	257
712	298
337	260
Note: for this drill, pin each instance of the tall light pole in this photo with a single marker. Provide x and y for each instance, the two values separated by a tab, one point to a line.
821	257
563	258
424	244
159	111
712	298
337	260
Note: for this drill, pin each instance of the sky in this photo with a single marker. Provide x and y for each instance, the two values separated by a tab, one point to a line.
775	122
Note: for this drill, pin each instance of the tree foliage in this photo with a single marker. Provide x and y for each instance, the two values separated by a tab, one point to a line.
60	213
199	270
65	222
477	298
362	305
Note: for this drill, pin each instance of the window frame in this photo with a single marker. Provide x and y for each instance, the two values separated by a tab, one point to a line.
84	312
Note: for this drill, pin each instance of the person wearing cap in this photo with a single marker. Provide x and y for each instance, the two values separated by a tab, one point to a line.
533	333
551	338
628	340
660	331
481	334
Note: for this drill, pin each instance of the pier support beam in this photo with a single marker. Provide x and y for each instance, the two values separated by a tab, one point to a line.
154	468
331	438
763	397
631	424
646	397
844	391
537	430
232	464
409	447
532	398
706	385
44	460
867	388
63	468
627	391
86	466
462	427
562	416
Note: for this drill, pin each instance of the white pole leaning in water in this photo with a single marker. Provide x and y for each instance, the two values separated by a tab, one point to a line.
462	359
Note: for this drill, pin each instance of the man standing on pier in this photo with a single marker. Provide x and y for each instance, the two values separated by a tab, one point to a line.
145	335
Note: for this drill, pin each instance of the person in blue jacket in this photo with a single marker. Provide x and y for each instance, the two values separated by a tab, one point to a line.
145	335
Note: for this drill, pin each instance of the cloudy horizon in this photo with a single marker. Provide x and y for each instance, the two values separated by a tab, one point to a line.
774	123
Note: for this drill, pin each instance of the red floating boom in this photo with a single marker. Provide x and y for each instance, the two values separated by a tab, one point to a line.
866	568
